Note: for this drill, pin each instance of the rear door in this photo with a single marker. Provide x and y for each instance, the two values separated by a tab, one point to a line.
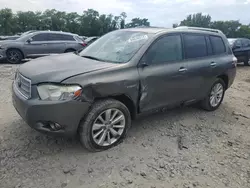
198	64
220	59
57	43
38	45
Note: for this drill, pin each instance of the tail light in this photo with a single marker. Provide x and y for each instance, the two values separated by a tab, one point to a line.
235	61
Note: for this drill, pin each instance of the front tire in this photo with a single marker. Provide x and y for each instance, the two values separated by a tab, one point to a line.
215	96
105	125
14	56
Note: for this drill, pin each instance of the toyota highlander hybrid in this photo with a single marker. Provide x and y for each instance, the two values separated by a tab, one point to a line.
96	92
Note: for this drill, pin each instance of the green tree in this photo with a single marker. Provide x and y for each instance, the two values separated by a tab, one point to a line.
243	31
7	22
229	28
89	23
135	22
123	16
196	20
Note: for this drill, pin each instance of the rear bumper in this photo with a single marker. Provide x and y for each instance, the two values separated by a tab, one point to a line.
38	113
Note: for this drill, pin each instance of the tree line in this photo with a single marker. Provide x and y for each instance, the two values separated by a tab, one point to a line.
92	23
231	28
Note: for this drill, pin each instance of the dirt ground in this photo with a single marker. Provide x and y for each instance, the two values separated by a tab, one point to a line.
185	148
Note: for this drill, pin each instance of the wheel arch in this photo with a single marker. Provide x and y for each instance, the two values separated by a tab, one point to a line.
126	100
14	48
225	78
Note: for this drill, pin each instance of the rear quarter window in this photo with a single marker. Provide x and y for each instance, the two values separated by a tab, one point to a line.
68	37
218	45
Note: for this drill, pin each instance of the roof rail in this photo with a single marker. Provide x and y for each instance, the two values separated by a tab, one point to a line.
199	28
147	27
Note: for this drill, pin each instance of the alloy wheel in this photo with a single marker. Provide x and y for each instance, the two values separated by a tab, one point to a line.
108	127
13	56
216	94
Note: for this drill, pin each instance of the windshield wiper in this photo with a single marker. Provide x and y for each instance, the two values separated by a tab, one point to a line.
91	57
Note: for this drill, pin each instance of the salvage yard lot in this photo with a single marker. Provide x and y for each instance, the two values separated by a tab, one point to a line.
184	147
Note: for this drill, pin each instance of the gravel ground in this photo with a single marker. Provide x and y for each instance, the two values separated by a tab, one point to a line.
185	147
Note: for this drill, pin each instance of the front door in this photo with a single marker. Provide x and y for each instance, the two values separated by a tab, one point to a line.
38	45
162	73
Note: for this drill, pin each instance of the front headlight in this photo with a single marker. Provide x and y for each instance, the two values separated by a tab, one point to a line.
58	92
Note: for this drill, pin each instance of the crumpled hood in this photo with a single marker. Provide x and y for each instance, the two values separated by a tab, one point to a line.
56	68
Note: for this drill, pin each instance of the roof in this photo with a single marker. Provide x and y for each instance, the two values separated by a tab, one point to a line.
56	32
147	29
179	29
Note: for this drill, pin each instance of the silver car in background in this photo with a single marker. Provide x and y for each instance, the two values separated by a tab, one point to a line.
40	43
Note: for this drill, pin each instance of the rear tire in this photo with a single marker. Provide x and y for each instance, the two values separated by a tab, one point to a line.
91	125
214	97
14	56
247	61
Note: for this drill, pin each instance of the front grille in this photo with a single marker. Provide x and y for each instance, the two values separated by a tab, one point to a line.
23	85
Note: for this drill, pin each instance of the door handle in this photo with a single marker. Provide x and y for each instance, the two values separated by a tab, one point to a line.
182	69
44	44
213	64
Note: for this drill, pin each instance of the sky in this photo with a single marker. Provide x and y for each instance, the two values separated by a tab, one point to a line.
159	12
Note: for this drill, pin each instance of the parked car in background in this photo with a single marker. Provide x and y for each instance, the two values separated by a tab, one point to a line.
97	92
40	43
241	49
90	40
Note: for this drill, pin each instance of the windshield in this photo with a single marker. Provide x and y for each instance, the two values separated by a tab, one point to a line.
118	46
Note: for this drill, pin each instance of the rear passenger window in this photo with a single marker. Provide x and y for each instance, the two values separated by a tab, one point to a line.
195	46
60	37
166	49
68	37
218	45
55	37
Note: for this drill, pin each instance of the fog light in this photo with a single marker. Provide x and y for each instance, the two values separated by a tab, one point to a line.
55	126
58	126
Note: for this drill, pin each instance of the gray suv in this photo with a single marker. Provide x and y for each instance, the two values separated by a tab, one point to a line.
38	44
127	72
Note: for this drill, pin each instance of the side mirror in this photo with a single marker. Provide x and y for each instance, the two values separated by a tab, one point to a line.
143	63
29	40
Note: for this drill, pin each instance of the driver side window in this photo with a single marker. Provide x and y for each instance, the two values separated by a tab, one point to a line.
166	49
237	43
40	37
